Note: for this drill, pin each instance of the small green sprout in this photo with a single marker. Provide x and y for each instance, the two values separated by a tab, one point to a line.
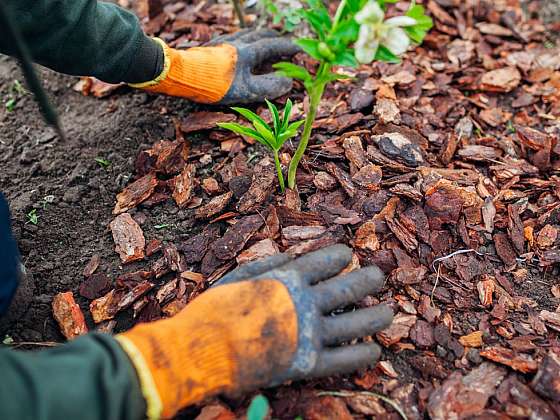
16	90
162	226
258	409
11	104
271	137
104	163
33	217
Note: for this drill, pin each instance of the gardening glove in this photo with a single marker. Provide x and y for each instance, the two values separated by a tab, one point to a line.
264	324
221	72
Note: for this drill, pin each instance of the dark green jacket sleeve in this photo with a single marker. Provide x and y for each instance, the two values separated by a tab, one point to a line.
85	38
90	378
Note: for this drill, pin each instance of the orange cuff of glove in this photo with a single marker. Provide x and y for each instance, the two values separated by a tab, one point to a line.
201	74
231	338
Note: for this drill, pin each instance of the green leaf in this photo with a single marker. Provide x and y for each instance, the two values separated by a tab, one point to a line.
293	71
295	125
346	33
315	22
384	54
311	47
251	116
104	163
382	3
258	409
266	133
33	217
287	114
346	58
331	77
244	131
11	104
423	23
275	116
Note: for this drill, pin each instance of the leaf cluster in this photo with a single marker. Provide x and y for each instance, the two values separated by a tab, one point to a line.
272	137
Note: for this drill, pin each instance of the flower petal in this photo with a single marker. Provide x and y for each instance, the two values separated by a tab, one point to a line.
371	13
396	40
401	21
365	50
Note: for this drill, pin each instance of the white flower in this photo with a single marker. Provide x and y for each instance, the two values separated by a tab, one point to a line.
375	31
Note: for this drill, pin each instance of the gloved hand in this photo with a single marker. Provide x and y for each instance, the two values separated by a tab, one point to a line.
263	324
221	72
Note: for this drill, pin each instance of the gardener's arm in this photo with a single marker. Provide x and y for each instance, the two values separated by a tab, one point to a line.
85	37
266	323
90	379
93	38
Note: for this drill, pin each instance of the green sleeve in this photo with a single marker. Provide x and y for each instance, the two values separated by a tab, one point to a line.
85	38
90	378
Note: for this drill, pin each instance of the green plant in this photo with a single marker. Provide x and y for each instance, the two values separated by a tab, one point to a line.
285	12
271	137
16	90
358	33
258	409
33	217
104	163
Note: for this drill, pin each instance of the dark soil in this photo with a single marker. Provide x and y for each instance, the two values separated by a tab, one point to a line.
73	196
73	227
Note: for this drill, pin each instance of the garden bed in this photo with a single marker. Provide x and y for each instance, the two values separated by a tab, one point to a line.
442	170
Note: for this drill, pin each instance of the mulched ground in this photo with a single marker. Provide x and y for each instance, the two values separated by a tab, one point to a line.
442	170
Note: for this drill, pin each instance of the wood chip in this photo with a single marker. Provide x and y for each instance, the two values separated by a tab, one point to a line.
214	206
366	237
135	193
259	250
399	329
205	120
473	339
236	237
69	316
183	186
92	265
547	380
261	187
502	80
519	362
128	237
463	397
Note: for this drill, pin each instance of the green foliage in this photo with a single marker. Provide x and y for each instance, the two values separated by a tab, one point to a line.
289	16
423	25
16	91
10	104
33	217
104	163
258	409
272	138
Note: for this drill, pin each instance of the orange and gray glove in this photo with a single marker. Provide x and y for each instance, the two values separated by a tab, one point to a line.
221	72
263	324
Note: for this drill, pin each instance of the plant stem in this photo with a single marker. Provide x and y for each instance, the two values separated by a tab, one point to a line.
239	11
279	170
315	95
338	15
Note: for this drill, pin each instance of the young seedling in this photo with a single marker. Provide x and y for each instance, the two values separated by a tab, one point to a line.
104	163
358	33
16	90
273	137
33	217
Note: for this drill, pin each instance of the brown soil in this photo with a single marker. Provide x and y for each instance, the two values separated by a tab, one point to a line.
73	227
